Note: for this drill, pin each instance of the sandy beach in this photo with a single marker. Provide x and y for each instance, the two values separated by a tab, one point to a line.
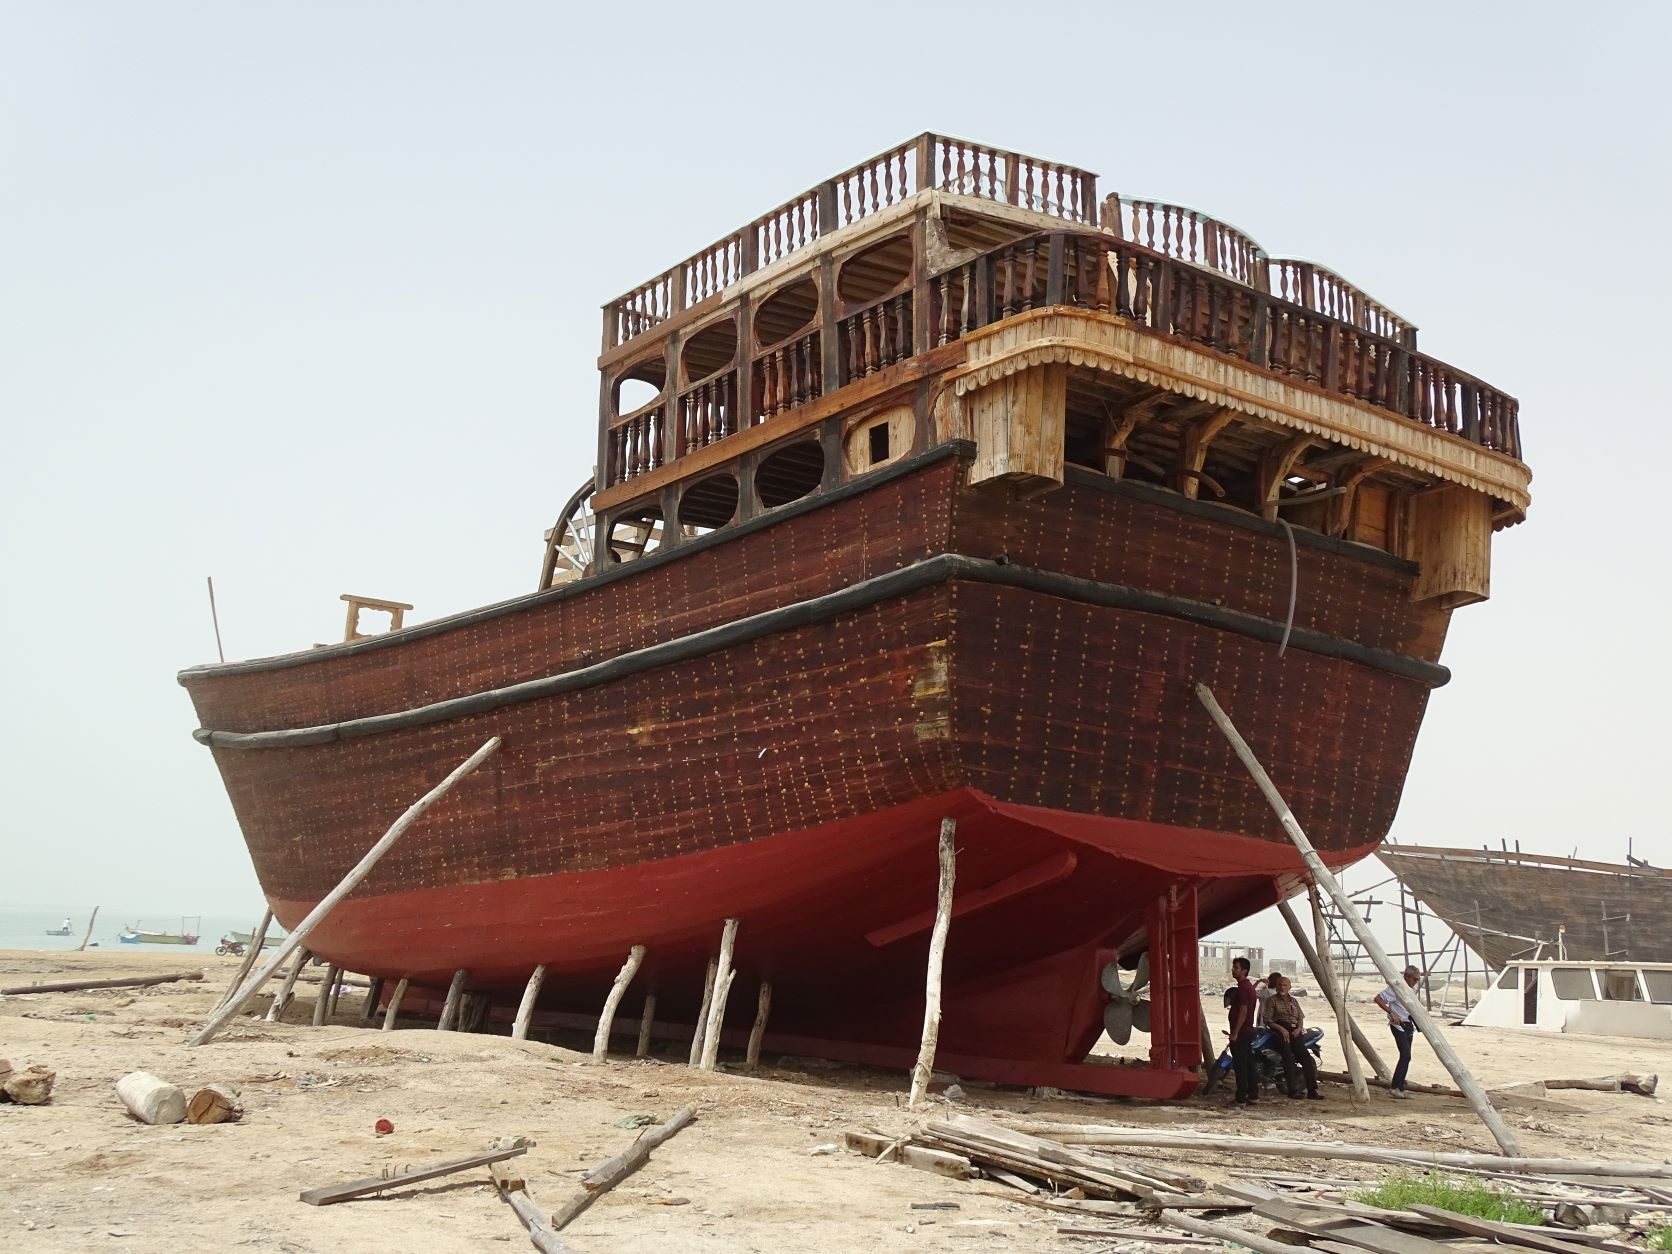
80	1174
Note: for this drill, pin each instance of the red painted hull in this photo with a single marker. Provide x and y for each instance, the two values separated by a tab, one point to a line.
1034	922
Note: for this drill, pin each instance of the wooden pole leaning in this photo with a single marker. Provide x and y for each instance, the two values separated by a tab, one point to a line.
702	1013
1322	876
618	990
646	1020
287	990
450	1007
724	973
925	1066
394	1005
258	938
1337	996
763	1007
1323	975
525	1011
293	942
322	999
88	935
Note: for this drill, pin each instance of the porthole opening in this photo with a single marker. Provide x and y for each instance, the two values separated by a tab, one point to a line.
789	474
635	533
639	385
875	272
711	349
707	504
785	312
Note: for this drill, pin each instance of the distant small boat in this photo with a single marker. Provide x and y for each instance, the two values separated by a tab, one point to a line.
136	936
57	931
244	938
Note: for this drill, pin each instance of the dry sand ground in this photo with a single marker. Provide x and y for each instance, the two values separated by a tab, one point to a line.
79	1174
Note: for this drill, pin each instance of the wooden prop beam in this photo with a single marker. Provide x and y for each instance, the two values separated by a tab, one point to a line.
293	942
763	1008
525	1011
374	994
1321	974
646	1021
331	1194
702	1013
606	1175
322	999
394	1005
513	1191
258	938
450	1007
1359	1090
77	986
287	990
1324	879
88	934
724	973
1275	468
925	1066
1193	449
624	977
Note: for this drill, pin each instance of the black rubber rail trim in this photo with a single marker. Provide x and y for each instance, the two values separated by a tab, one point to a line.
902	582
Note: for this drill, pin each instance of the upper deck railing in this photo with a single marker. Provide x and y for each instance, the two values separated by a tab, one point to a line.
963	168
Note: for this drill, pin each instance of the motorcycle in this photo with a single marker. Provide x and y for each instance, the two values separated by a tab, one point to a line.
230	946
1268	1059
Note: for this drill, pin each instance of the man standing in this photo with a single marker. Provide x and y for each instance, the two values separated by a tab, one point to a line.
1264	991
1285	1017
1404	1030
1243	1002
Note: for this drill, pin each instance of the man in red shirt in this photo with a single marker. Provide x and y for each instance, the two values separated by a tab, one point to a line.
1243	1001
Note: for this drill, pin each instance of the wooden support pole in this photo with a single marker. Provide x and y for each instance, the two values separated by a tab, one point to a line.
925	1067
450	1007
624	977
1324	879
394	1005
258	938
281	1003
763	1007
646	1020
322	999
702	1013
525	1011
1357	1089
374	994
293	942
88	935
76	986
723	975
1323	975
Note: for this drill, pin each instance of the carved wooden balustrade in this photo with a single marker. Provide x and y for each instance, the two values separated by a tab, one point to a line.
788	375
706	412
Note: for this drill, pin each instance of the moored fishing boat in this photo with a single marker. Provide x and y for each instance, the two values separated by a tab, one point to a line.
929	494
140	936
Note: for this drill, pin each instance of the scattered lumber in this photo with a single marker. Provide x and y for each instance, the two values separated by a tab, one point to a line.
1491	1230
151	1100
81	986
606	1175
513	1190
30	1087
331	1194
1223	1232
214	1103
1152	1138
1643	1085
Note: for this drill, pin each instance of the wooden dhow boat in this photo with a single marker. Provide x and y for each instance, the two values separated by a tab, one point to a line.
929	493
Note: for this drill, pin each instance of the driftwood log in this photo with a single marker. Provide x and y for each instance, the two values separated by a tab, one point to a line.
151	1100
80	986
214	1103
606	1175
513	1190
1643	1085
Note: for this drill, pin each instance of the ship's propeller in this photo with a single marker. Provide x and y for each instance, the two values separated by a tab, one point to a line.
1126	1010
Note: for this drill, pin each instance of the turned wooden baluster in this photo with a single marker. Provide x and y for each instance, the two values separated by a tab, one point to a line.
810	365
1008	305
902	327
945	319
1033	255
869	318
856	367
966	276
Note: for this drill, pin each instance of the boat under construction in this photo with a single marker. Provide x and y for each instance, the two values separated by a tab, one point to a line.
1507	905
929	494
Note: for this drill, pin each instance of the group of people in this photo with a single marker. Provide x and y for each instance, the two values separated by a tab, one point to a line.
1272	1005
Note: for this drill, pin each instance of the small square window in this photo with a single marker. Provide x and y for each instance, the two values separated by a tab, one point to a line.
879	443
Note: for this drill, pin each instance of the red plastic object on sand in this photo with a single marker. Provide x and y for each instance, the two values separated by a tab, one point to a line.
384	1127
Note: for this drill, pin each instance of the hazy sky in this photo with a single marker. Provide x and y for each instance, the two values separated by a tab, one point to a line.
306	297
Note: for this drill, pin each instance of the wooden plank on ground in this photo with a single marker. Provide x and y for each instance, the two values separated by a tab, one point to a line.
377	1184
1492	1230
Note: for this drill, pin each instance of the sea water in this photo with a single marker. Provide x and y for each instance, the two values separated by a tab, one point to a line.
24	927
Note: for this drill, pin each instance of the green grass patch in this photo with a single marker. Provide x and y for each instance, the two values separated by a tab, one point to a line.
1465	1196
1661	1239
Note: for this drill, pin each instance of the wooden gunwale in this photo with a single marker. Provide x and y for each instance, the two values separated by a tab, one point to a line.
1224	514
938	569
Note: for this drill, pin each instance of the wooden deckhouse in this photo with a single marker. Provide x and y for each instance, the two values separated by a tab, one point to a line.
929	493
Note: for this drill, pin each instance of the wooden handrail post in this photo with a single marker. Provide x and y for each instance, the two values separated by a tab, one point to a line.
1322	876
